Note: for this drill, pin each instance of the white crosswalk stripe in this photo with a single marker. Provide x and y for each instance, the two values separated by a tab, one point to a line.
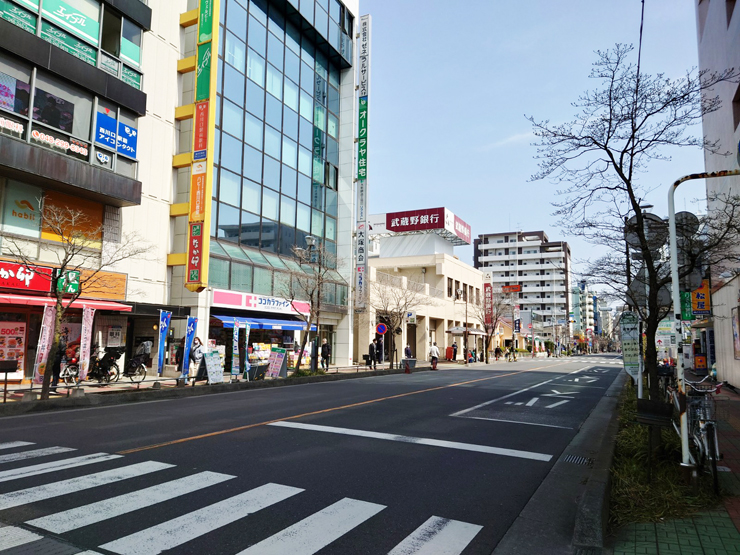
438	536
318	530
55	466
14	444
12	536
23	455
39	493
115	506
192	525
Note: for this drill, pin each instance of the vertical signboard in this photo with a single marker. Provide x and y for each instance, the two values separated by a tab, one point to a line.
203	73
630	344
362	227
488	302
198	192
200	131
195	254
701	303
205	21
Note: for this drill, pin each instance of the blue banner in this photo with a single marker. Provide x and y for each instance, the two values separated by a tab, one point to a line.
247	327
105	130
127	139
164	325
189	336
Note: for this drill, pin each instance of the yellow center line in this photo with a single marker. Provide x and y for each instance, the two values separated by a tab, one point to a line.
322	411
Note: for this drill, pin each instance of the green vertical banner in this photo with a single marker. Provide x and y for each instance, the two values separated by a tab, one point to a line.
687	313
205	21
203	73
362	140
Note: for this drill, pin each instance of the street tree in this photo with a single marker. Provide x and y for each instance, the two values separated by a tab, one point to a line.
392	300
490	313
626	123
306	283
82	252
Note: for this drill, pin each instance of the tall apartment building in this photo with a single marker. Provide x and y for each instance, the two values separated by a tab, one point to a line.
540	266
584	313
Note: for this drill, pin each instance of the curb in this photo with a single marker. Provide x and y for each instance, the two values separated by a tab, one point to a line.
592	515
149	394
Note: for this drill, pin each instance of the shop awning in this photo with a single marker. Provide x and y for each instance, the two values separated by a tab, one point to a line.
265	323
24	300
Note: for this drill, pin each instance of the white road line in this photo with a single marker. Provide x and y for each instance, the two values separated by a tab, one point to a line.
318	530
12	536
192	525
12	444
10	457
532	401
417	440
43	468
129	502
438	536
516	422
56	489
556	404
465	411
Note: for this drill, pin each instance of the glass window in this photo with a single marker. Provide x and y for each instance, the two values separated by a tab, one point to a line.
262	281
276	23
271	176
333	100
287	240
256	67
220	76
272	142
331	202
235	51
317	223
241	277
250	235
251	196
332	126
218	273
255	99
268	239
231	153
228	222
303	217
287	211
257	36
322	65
230	186
334	76
110	38
304	188
290	123
335	10
236	19
320	87
292	66
214	213
289	152
252	164
291	95
274	82
270	204
304	161
307	52
319	117
253	131
258	9
233	119
274	112
324	4
306	133
62	106
288	181
307	105
332	151
233	85
293	39
335	36
131	43
218	110
317	196
217	147
307	10
307	78
275	51
331	177
331	229
322	19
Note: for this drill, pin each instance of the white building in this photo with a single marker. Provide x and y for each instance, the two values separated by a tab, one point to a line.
539	266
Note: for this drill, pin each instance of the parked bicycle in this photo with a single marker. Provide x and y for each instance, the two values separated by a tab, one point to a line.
70	373
701	424
135	370
104	366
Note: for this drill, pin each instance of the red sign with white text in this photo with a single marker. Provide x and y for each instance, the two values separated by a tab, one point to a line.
415	220
511	288
195	253
20	277
462	230
488	302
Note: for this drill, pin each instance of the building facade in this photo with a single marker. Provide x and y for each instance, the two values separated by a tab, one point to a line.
540	266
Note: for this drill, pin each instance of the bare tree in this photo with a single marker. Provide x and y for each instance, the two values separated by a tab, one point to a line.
308	284
499	306
82	256
621	127
391	301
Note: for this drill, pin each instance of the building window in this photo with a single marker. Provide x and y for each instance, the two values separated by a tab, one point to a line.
449	287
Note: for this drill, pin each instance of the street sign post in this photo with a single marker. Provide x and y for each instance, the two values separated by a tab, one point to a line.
630	344
380	329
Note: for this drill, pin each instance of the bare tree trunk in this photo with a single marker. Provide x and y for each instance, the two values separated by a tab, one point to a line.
303	346
53	352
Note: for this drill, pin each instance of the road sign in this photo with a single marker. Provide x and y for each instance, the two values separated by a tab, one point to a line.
381	329
630	344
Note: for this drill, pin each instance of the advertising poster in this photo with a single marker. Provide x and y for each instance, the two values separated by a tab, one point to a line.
13	345
213	367
247	327
235	349
115	336
45	339
189	336
701	303
53	110
127	140
164	325
7	92
21	214
105	130
277	356
88	315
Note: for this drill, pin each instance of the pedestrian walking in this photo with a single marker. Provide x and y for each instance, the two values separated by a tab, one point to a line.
372	359
325	354
434	355
454	350
407	351
198	360
497	351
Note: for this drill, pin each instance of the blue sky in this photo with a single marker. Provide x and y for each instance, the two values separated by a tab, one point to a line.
451	83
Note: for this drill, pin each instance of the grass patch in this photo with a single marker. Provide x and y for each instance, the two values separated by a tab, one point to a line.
301	372
666	495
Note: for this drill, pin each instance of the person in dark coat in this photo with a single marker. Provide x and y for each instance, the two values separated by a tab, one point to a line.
407	351
373	354
454	350
325	354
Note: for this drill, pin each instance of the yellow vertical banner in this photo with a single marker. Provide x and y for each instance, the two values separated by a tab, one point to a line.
201	170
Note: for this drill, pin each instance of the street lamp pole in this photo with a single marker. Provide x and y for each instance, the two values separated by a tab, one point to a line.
465	333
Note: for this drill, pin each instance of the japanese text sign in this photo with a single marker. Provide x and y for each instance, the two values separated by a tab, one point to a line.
200	131
415	220
195	253
701	302
18	276
105	130
127	140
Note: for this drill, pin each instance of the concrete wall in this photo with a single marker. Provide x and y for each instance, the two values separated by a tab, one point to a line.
723	300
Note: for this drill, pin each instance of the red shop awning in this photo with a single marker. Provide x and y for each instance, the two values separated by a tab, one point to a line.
27	300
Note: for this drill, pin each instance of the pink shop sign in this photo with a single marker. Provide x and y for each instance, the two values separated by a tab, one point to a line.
259	303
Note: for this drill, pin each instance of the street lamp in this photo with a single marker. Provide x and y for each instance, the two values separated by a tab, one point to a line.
311	244
465	333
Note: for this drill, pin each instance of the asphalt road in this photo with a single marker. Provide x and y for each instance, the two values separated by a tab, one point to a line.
433	462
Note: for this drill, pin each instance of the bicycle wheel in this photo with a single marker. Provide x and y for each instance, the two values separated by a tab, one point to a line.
711	445
71	375
114	372
139	374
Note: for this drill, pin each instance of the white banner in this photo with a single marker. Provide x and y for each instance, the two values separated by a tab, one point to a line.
630	344
88	314
45	339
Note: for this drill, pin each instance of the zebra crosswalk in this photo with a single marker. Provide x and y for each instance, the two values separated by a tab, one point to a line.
340	519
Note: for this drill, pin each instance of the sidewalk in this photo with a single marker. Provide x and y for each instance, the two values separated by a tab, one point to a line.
711	532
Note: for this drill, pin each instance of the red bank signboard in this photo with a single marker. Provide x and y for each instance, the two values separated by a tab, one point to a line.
20	277
415	220
462	229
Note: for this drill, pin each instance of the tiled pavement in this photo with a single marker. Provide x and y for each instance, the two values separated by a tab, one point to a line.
708	533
